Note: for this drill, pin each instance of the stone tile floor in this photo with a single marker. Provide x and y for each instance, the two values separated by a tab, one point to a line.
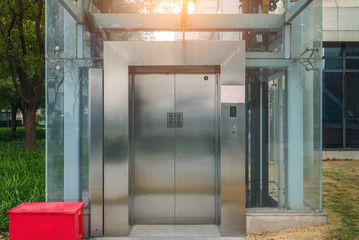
175	232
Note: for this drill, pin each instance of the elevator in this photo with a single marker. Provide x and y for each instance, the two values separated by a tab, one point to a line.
175	146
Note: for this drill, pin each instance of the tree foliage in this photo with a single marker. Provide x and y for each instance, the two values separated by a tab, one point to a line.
147	6
22	48
7	94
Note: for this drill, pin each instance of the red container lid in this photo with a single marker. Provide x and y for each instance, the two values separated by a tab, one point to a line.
47	208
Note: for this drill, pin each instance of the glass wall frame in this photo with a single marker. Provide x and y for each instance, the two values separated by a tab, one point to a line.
284	168
74	43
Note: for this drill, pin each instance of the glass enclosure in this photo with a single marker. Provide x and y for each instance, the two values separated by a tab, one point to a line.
283	88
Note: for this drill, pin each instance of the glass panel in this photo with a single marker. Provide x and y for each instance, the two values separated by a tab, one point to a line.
67	109
194	7
312	89
352	49
303	173
352	94
333	63
67	134
263	42
55	132
60	43
352	132
307	31
332	49
332	109
352	63
266	131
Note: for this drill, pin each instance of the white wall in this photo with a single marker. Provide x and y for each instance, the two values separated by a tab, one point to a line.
340	20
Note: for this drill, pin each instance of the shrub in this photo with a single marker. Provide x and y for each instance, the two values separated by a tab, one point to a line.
22	176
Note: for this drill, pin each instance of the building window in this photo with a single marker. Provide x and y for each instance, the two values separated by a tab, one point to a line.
341	95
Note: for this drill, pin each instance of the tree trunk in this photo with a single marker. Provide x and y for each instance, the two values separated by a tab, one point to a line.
30	127
14	107
22	109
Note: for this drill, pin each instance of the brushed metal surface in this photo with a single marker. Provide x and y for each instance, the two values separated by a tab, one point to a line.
96	151
233	211
153	149
118	55
175	168
116	145
175	53
195	193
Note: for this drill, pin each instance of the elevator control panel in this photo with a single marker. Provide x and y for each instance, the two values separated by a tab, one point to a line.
232	111
233	121
174	120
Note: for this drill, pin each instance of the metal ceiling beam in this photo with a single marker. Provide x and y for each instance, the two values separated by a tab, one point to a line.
74	11
295	10
196	22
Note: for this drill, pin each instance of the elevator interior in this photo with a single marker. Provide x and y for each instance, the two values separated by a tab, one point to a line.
173	136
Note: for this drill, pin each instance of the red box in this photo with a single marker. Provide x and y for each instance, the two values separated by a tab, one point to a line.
47	221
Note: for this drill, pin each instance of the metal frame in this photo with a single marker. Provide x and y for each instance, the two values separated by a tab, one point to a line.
95	135
120	55
187	69
295	10
74	11
196	22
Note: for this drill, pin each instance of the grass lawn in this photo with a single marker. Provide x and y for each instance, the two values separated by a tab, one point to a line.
340	200
22	172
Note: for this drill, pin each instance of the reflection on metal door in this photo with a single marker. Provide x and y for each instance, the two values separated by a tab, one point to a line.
174	175
195	149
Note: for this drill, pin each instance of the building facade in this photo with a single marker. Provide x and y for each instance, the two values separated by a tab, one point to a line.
180	113
340	79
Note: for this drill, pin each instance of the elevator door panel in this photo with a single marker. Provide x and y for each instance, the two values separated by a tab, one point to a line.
195	149
174	168
153	150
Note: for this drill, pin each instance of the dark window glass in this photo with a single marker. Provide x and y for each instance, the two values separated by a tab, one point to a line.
333	64
352	63
352	132
332	49
352	49
332	109
352	94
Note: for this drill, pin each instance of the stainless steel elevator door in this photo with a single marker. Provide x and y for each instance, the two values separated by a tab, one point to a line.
153	149
174	175
195	149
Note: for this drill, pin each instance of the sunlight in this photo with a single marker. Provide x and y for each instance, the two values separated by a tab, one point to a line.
176	9
191	7
164	36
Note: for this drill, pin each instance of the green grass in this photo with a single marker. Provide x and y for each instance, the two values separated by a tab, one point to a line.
341	198
5	134
22	176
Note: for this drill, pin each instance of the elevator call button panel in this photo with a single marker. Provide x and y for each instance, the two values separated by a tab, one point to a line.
232	111
174	120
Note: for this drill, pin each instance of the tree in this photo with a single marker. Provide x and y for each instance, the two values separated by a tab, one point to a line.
22	48
9	99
